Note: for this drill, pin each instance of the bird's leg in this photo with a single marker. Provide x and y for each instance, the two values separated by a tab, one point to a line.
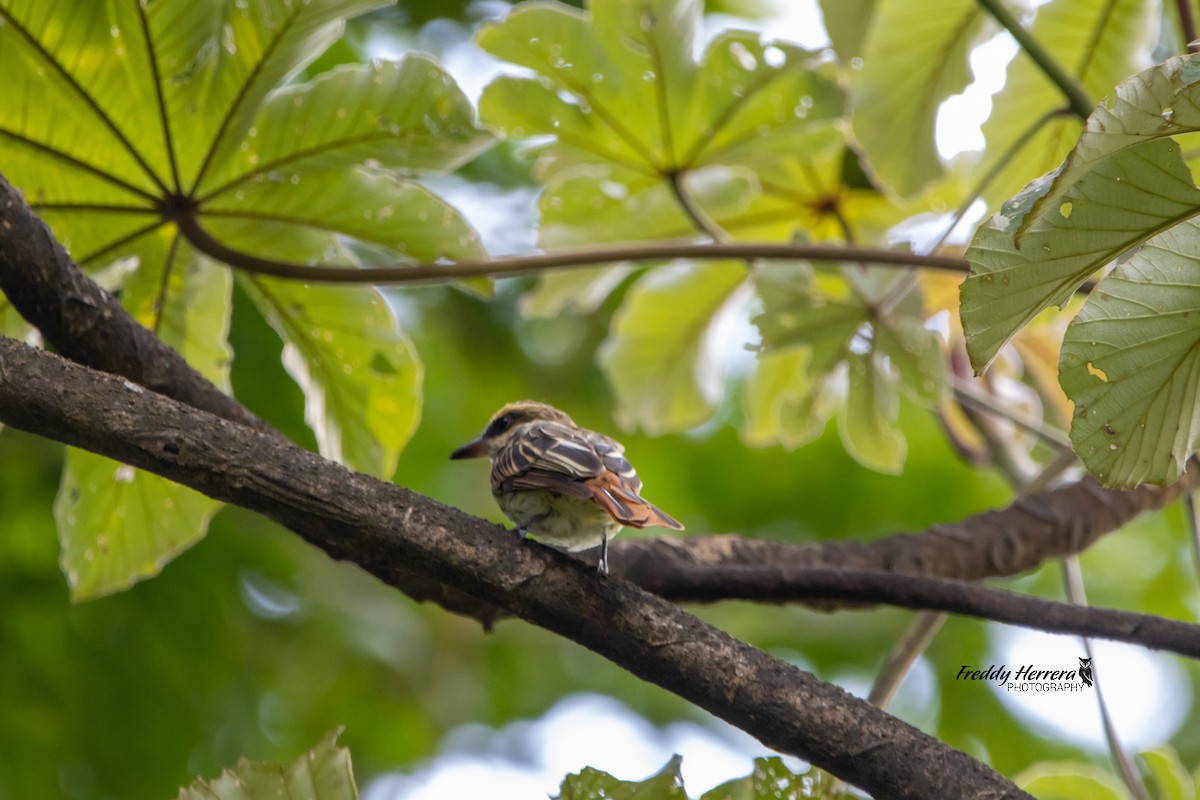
602	564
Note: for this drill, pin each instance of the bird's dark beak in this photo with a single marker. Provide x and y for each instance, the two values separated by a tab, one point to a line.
475	449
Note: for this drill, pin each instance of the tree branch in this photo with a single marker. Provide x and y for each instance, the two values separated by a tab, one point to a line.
787	584
1034	529
509	266
383	528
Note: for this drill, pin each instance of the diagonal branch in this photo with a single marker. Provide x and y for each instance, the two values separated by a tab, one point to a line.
384	528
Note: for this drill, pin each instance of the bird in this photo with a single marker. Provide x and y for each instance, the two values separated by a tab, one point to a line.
569	487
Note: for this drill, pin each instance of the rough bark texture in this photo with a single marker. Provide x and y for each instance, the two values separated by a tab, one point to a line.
86	323
384	528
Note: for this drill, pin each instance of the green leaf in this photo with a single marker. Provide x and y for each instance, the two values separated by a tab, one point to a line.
868	425
784	404
1125	200
1067	780
577	290
1131	364
1169	775
658	357
593	784
831	316
586	206
404	115
294	218
1099	43
74	102
218	62
629	110
772	780
323	773
1155	104
847	23
118	525
359	372
915	56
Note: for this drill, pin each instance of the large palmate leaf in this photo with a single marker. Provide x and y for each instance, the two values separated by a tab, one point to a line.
828	326
1098	43
915	57
323	773
1131	364
631	112
118	120
659	356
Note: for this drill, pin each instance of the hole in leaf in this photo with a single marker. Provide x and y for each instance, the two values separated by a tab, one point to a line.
1099	373
381	365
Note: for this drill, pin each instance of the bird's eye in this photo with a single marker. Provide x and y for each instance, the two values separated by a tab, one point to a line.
500	425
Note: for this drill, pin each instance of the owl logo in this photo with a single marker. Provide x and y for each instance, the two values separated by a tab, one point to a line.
1085	670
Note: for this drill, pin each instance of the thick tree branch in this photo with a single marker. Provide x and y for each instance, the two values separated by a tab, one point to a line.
1034	529
384	528
86	323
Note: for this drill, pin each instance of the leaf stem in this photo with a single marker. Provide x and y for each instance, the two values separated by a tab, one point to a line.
1081	104
508	266
995	170
694	212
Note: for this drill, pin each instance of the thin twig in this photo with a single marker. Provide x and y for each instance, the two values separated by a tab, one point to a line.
1078	99
1189	508
508	266
912	644
1073	581
996	169
968	395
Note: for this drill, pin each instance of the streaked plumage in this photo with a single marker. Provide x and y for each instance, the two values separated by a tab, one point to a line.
570	487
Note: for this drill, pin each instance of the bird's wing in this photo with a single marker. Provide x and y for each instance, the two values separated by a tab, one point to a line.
581	463
546	455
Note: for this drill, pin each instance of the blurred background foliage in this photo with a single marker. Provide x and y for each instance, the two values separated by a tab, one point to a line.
253	645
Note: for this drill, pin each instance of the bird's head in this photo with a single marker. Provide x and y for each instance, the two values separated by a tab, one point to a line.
503	425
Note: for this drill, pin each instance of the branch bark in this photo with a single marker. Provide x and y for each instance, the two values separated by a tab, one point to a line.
385	528
1008	541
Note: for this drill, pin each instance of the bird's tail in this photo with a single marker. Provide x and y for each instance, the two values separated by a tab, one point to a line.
629	509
